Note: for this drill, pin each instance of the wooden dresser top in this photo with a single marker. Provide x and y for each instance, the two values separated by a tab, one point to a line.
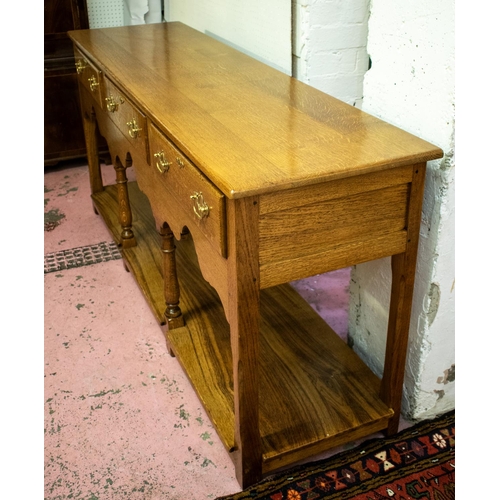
250	128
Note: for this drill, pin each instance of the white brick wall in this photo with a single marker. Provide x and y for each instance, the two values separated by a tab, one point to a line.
330	46
260	28
411	84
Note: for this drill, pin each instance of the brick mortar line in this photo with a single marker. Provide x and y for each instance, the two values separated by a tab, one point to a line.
81	256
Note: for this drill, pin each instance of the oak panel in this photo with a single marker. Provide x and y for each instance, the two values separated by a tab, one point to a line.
119	146
340	188
181	179
325	227
90	76
122	112
336	257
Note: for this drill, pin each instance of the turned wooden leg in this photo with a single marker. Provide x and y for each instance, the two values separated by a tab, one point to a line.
173	313
244	321
403	278
125	212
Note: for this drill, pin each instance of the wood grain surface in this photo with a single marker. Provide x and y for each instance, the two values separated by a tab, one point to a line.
258	130
296	183
315	392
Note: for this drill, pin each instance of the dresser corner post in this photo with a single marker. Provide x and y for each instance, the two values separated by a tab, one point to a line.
90	132
244	322
403	279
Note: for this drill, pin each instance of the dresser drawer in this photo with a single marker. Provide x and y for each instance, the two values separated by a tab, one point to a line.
90	76
199	198
129	120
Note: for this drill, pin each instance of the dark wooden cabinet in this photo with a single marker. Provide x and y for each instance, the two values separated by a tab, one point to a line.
63	131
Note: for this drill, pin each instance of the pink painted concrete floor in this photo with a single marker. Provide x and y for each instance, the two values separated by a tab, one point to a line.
121	418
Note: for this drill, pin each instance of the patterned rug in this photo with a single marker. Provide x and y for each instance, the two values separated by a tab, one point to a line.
417	463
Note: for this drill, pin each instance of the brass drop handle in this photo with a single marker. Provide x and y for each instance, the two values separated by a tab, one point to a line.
111	104
201	209
162	164
133	129
93	83
80	65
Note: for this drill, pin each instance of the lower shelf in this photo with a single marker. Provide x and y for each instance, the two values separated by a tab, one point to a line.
315	393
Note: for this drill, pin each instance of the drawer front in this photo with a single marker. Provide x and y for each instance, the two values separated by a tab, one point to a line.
199	198
90	77
129	120
342	222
